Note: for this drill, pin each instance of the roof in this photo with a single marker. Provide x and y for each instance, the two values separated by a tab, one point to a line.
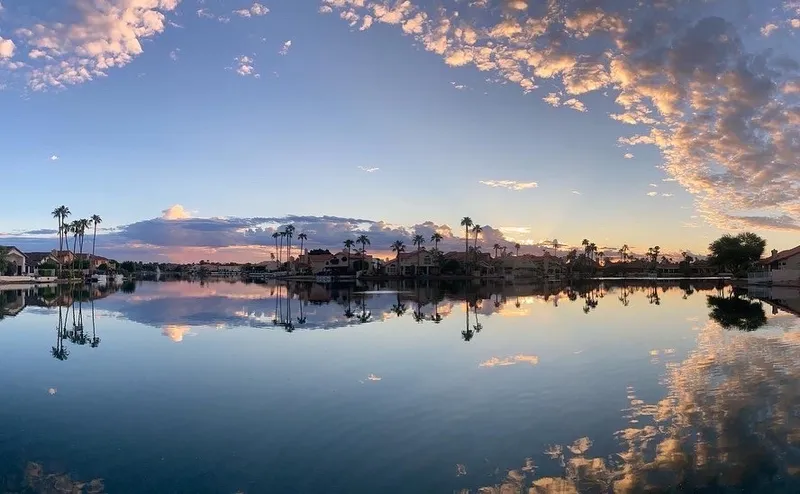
780	256
11	247
37	257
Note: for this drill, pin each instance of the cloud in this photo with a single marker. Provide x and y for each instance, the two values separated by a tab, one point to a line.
576	192
90	39
708	94
628	156
54	157
204	13
174	54
244	66
516	359
285	48
510	184
255	10
768	29
458	86
368	170
7	48
652	194
176	212
665	194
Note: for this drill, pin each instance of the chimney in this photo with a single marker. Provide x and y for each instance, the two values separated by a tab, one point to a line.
774	252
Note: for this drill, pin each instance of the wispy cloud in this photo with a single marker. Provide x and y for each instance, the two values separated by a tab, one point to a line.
54	157
653	185
245	66
368	170
285	48
666	195
516	359
510	184
576	192
458	86
204	13
652	194
174	54
628	156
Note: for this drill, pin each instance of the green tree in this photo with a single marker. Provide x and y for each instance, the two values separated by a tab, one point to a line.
364	241
4	259
399	247
738	253
418	240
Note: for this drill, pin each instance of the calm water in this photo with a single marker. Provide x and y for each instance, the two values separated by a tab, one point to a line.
230	387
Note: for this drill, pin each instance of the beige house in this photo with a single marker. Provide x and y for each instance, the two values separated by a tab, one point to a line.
779	268
17	263
413	263
529	266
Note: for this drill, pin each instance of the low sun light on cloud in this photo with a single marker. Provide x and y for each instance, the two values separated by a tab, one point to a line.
510	184
176	212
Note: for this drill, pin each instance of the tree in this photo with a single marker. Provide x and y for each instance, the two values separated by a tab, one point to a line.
418	240
280	252
399	247
275	236
364	241
736	254
4	259
496	248
83	224
303	237
467	223
96	220
556	245
517	246
348	244
476	229
436	238
289	234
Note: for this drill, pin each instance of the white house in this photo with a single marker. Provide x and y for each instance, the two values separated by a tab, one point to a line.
17	263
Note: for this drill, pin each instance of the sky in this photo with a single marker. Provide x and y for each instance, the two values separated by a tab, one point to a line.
195	128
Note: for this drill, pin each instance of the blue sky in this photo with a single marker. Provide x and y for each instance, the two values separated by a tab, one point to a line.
497	110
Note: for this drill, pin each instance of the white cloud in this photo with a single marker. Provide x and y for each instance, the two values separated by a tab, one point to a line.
368	170
504	362
458	86
574	104
652	194
175	212
666	195
285	48
628	156
204	14
255	10
576	192
245	66
653	185
769	29
510	184
54	158
174	54
7	48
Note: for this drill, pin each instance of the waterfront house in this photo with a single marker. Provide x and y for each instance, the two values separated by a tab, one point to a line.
528	266
63	256
668	269
36	260
481	263
17	263
337	264
779	268
413	263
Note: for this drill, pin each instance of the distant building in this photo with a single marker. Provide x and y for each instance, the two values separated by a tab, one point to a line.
17	263
531	266
412	263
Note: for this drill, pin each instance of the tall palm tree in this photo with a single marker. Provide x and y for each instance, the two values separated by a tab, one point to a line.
624	252
303	237
289	234
436	238
96	220
280	252
418	240
275	235
364	241
517	246
467	223
399	247
83	224
496	249
348	244
476	229
592	250
556	245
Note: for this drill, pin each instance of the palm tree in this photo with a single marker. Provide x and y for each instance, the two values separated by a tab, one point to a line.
436	238
476	229
289	234
592	250
303	237
600	256
275	235
280	252
418	240
467	223
96	220
399	247
348	244
624	252
364	241
496	249
83	224
556	245
517	246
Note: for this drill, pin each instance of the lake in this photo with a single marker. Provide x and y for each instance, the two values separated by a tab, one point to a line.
219	387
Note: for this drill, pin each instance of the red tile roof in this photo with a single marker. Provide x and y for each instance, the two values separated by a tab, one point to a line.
780	256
